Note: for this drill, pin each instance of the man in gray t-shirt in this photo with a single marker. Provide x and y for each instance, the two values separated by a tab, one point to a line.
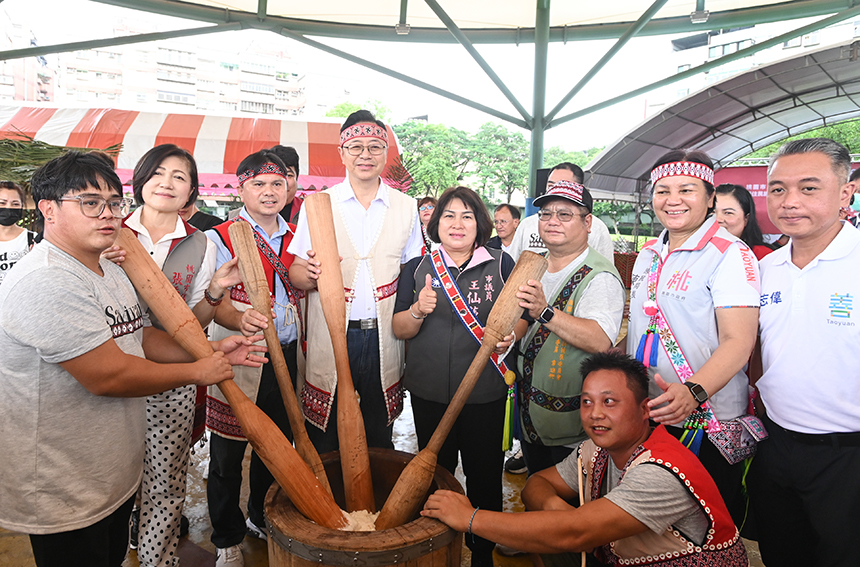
73	373
645	495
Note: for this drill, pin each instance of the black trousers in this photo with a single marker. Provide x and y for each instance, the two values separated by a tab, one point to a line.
806	499
540	457
363	348
477	438
728	478
225	465
103	544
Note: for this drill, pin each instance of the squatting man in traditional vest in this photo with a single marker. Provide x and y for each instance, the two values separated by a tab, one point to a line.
263	187
377	230
73	374
577	305
647	499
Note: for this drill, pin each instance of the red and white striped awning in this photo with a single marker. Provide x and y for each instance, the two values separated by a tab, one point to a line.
219	143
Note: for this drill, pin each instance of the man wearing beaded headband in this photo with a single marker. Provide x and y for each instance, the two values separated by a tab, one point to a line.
377	230
263	187
578	305
803	481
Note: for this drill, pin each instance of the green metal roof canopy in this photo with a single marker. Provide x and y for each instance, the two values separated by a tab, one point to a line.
729	119
472	22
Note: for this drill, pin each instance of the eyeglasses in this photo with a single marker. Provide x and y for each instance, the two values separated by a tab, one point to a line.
426	208
501	222
562	215
93	207
358	149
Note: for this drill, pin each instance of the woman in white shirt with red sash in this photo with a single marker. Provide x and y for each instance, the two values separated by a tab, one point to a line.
693	319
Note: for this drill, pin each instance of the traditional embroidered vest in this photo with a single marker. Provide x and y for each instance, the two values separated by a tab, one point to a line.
722	546
551	385
219	417
182	264
383	262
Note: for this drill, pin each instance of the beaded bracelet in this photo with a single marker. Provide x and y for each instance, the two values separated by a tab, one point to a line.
211	300
414	316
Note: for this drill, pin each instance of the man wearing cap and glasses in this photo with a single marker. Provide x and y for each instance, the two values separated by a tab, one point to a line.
528	236
377	230
578	306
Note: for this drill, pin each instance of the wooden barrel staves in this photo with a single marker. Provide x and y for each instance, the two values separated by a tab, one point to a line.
295	541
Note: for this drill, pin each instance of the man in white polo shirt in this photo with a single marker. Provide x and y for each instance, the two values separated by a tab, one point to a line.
528	237
377	230
803	481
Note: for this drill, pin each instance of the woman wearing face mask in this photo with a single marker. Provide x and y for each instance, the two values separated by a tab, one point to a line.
15	241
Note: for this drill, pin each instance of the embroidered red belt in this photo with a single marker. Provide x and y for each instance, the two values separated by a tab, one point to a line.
381	292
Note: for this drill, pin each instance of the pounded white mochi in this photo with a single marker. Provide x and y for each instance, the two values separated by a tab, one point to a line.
360	521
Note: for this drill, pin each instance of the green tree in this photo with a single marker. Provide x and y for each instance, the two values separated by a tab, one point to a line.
615	210
846	133
344	109
555	155
501	158
437	155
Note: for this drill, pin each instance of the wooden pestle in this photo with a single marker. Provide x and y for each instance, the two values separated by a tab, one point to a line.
414	481
257	288
352	439
282	460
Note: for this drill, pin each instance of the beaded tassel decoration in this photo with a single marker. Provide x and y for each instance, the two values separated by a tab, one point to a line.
694	429
646	351
507	434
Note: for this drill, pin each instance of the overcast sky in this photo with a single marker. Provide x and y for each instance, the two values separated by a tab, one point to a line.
448	66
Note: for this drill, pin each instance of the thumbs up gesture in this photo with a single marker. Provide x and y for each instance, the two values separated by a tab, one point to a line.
426	298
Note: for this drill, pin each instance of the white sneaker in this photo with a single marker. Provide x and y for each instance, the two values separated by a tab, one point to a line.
230	557
255	531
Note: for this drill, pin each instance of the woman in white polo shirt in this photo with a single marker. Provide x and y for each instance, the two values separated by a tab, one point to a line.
694	314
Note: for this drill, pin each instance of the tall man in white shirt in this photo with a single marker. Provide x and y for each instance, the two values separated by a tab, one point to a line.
528	237
803	481
377	230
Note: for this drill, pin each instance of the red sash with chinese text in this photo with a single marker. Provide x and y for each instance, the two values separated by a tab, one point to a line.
461	308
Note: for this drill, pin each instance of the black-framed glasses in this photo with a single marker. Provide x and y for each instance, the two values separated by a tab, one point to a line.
92	206
426	207
562	215
358	149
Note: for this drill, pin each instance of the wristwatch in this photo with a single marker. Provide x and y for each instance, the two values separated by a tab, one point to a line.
546	315
699	393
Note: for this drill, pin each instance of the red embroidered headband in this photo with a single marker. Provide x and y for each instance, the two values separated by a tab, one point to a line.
688	168
363	130
262	170
569	190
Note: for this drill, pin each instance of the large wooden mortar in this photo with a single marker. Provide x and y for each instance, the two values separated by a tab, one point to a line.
295	541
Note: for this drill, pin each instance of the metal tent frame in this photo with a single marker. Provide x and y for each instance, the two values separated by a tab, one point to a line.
537	121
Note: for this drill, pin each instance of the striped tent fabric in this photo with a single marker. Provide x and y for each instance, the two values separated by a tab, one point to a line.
218	143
